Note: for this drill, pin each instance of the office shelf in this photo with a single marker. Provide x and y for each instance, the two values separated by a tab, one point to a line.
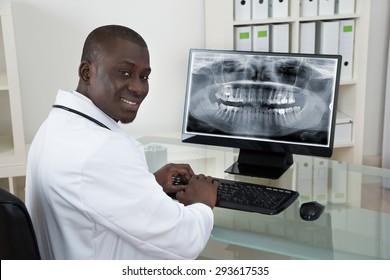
12	142
219	28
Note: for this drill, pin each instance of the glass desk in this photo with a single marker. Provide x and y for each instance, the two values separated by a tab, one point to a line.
354	225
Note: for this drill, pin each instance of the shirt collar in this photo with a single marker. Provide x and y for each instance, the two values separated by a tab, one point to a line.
81	103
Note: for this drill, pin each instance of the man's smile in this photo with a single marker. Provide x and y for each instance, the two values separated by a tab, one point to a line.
129	102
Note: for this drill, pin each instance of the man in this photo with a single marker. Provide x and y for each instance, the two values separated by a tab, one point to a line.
88	187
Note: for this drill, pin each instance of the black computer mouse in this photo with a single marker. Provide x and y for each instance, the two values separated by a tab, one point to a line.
311	211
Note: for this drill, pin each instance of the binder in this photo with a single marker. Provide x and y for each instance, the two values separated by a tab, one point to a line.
326	7
320	180
345	6
346	46
260	9
242	10
328	37
243	38
307	37
339	174
279	8
260	38
280	38
304	178
309	8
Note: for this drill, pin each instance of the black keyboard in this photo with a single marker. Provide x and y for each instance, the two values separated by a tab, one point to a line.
253	197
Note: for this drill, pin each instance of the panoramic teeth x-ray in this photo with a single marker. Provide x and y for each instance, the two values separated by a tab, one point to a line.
261	96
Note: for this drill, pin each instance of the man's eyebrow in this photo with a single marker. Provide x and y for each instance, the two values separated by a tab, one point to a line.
132	64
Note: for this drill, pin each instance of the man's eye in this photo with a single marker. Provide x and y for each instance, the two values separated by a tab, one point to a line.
124	73
145	78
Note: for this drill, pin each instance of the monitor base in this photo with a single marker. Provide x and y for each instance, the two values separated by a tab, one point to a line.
261	164
255	171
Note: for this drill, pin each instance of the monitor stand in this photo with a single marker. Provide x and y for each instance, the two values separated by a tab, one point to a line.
261	164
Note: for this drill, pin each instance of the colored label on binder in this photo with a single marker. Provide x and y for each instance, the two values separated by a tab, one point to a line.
348	28
245	35
262	34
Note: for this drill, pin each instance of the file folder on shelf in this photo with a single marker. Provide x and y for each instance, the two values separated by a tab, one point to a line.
346	46
243	38
338	193
304	178
309	8
242	10
345	6
320	180
328	37
307	37
279	8
260	9
260	35
280	38
326	7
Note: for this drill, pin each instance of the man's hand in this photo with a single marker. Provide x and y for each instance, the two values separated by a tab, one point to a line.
200	189
164	176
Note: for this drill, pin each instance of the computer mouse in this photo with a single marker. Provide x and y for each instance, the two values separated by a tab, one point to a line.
311	211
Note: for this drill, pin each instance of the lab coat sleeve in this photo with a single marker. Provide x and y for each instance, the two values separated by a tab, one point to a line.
120	194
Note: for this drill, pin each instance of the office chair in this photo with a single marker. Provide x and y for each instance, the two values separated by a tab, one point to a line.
17	236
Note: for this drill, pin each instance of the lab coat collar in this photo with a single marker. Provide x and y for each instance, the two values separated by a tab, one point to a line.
81	103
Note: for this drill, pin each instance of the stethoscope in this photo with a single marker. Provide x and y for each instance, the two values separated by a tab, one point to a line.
80	114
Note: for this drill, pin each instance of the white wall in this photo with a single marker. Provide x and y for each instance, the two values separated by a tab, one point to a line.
50	35
376	77
386	124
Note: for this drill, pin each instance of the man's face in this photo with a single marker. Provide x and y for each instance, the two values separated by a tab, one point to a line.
119	81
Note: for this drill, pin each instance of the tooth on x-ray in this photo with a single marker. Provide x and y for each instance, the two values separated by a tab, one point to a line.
266	96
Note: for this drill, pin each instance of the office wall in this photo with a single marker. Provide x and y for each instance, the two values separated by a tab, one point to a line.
49	38
376	80
386	125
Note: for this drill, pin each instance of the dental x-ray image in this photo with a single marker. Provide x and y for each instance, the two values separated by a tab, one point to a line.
278	97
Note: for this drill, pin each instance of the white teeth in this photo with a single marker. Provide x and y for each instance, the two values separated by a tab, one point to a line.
128	102
248	115
248	95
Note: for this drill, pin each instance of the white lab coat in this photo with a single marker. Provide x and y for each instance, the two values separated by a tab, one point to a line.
91	196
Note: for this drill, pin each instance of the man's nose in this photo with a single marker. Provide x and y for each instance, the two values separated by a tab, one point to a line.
137	86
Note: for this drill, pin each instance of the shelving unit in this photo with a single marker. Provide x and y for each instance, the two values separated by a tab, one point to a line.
12	141
219	29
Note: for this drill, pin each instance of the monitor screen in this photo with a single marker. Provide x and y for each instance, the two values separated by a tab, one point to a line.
269	105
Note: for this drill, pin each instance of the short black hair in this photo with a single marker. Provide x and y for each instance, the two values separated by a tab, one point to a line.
102	38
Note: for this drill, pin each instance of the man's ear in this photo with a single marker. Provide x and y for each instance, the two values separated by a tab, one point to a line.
85	71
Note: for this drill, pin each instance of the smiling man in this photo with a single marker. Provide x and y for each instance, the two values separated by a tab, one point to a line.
115	79
88	188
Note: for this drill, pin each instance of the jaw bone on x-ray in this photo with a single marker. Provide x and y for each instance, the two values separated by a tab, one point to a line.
261	96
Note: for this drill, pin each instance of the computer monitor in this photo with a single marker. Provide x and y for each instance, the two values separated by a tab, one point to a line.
269	105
